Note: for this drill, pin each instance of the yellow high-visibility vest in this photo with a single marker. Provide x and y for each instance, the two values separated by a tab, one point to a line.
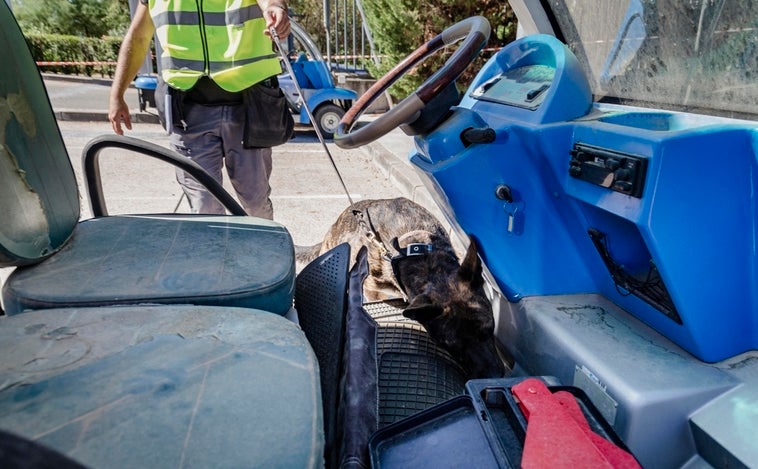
222	39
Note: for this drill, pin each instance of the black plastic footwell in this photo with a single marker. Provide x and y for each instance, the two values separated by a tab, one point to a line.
414	373
321	304
383	369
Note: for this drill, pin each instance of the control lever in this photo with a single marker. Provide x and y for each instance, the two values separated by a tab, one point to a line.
478	135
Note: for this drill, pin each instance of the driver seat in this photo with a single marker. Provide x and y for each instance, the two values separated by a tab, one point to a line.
235	260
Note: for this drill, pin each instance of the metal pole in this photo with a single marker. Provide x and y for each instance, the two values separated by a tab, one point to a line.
355	47
367	31
328	30
344	33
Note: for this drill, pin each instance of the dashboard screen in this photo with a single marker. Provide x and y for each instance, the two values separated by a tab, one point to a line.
524	87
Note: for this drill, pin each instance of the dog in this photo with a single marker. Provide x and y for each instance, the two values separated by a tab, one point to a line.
410	255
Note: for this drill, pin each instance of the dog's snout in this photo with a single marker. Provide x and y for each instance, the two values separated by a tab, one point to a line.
485	361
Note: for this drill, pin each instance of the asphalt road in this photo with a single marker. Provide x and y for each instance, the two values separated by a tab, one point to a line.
306	191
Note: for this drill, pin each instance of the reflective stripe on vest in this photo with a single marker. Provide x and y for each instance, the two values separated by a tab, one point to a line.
220	38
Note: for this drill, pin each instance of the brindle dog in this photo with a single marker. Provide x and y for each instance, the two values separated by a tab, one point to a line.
448	299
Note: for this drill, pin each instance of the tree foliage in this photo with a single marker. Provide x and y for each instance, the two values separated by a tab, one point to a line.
99	53
84	18
400	26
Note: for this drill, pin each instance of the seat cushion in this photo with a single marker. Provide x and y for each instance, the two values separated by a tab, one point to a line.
162	386
194	259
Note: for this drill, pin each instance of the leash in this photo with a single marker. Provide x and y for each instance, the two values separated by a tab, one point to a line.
369	232
411	250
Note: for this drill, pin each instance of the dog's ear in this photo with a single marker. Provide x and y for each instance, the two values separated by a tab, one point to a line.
471	267
422	309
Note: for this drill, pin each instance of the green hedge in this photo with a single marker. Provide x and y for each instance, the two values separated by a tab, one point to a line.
59	48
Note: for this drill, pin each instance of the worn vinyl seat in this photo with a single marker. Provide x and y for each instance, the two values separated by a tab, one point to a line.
232	260
161	386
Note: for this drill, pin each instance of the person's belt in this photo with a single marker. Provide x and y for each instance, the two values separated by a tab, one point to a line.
208	93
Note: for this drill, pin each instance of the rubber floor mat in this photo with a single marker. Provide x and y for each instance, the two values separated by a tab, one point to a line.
414	373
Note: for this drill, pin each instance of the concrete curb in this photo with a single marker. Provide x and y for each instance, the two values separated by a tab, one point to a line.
100	116
77	78
391	154
398	169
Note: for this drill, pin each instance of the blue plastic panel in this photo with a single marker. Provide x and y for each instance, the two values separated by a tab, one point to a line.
550	57
684	241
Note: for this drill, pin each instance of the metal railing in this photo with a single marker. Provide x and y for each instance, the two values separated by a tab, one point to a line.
349	42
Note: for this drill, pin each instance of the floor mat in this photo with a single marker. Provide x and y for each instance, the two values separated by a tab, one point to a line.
414	373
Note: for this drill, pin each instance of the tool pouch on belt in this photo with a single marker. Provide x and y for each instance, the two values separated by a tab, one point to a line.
268	121
169	102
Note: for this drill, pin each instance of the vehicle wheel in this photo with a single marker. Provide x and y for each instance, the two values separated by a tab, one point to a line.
327	117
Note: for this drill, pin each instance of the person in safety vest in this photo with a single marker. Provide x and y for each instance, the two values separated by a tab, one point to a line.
211	51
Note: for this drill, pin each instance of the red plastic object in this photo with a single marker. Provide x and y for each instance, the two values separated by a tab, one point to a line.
559	436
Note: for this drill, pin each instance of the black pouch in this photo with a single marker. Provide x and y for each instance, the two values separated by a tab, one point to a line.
268	121
169	102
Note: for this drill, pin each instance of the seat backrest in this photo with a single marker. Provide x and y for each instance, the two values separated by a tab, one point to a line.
39	199
297	68
318	74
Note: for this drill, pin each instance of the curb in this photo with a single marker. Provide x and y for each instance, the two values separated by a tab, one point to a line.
77	78
101	116
398	169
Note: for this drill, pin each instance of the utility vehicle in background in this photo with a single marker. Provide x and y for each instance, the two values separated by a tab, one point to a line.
326	101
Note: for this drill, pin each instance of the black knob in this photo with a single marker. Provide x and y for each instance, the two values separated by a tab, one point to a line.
474	135
504	192
612	164
623	175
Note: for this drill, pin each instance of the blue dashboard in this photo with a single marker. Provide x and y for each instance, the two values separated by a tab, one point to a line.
654	210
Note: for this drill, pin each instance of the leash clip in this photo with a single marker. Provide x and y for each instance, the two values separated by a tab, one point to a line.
371	235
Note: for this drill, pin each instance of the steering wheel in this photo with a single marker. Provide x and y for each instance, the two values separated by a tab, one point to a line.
475	30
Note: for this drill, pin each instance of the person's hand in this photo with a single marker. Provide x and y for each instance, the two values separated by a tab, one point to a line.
276	17
118	111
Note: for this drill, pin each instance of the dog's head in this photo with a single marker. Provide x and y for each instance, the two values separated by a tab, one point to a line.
460	319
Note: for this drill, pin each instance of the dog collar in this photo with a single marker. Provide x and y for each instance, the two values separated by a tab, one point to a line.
411	250
416	249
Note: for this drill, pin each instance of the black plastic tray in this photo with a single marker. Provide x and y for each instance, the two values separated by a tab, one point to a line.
481	429
446	435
